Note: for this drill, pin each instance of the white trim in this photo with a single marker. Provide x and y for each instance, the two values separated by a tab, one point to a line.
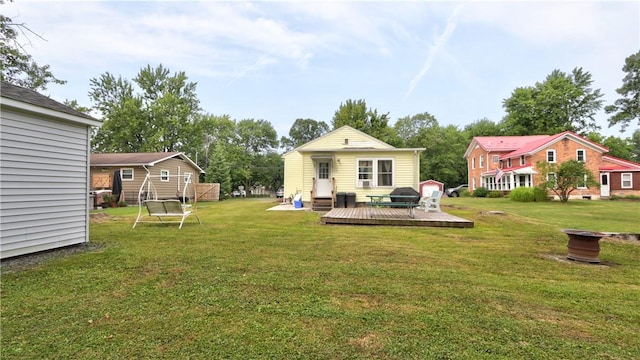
622	181
165	176
27	107
584	155
122	174
555	158
373	181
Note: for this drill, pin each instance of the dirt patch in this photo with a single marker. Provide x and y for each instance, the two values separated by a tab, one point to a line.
623	238
99	217
29	261
563	259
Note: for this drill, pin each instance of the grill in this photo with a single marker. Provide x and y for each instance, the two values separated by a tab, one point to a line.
407	191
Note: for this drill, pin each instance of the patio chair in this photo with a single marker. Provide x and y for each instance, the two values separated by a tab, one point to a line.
431	202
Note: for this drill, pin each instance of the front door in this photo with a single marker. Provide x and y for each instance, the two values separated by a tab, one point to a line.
324	184
604	184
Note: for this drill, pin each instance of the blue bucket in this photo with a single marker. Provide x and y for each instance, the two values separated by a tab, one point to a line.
297	204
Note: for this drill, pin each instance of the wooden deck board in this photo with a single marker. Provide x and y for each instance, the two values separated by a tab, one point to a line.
393	217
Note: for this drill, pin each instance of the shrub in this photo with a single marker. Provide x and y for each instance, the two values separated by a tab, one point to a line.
540	194
480	192
464	192
522	194
495	194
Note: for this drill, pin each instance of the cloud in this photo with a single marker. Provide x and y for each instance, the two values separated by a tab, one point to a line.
436	48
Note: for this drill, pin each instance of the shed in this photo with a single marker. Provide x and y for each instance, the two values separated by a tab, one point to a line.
133	168
428	186
44	188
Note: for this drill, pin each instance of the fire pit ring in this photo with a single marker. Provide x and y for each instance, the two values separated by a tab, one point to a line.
584	245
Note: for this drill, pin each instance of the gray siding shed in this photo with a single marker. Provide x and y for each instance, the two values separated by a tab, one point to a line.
44	173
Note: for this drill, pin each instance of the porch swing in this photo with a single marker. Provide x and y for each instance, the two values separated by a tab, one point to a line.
176	209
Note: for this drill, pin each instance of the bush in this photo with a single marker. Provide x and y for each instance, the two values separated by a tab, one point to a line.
495	194
522	194
480	192
465	192
540	194
624	197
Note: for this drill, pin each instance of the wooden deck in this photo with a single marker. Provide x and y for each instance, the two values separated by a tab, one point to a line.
393	217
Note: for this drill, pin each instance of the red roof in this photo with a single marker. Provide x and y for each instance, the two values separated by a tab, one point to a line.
618	164
506	143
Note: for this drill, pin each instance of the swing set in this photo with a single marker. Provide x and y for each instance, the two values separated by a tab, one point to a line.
166	210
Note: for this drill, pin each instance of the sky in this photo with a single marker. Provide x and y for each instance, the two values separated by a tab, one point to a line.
283	60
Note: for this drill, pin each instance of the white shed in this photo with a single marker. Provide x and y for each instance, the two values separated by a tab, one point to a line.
44	173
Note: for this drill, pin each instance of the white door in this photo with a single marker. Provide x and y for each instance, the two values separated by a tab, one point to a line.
604	184
323	178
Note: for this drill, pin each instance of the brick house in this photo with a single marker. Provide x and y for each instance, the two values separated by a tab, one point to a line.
504	163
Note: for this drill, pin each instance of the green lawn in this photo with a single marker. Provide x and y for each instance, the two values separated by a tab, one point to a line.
250	283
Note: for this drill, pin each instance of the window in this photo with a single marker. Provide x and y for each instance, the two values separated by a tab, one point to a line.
385	173
583	183
627	180
551	156
375	172
581	155
365	172
481	161
508	163
473	163
496	159
188	177
522	160
126	174
323	170
164	175
551	177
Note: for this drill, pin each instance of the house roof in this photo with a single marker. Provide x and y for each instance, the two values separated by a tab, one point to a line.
536	145
27	96
371	145
138	159
516	146
617	164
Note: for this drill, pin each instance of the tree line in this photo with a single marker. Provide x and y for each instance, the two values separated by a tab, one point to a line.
159	111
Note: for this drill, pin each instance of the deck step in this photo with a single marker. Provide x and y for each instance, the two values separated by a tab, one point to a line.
322	204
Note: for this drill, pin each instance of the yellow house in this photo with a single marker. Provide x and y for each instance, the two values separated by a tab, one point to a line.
349	161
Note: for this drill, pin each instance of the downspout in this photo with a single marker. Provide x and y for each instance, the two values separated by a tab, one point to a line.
178	182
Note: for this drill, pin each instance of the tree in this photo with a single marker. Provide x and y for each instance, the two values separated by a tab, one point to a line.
409	127
16	65
482	127
635	149
356	115
562	102
564	178
160	118
627	108
254	139
123	128
618	147
443	158
74	105
209	131
219	170
302	131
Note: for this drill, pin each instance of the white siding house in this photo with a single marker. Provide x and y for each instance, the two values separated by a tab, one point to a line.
44	173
